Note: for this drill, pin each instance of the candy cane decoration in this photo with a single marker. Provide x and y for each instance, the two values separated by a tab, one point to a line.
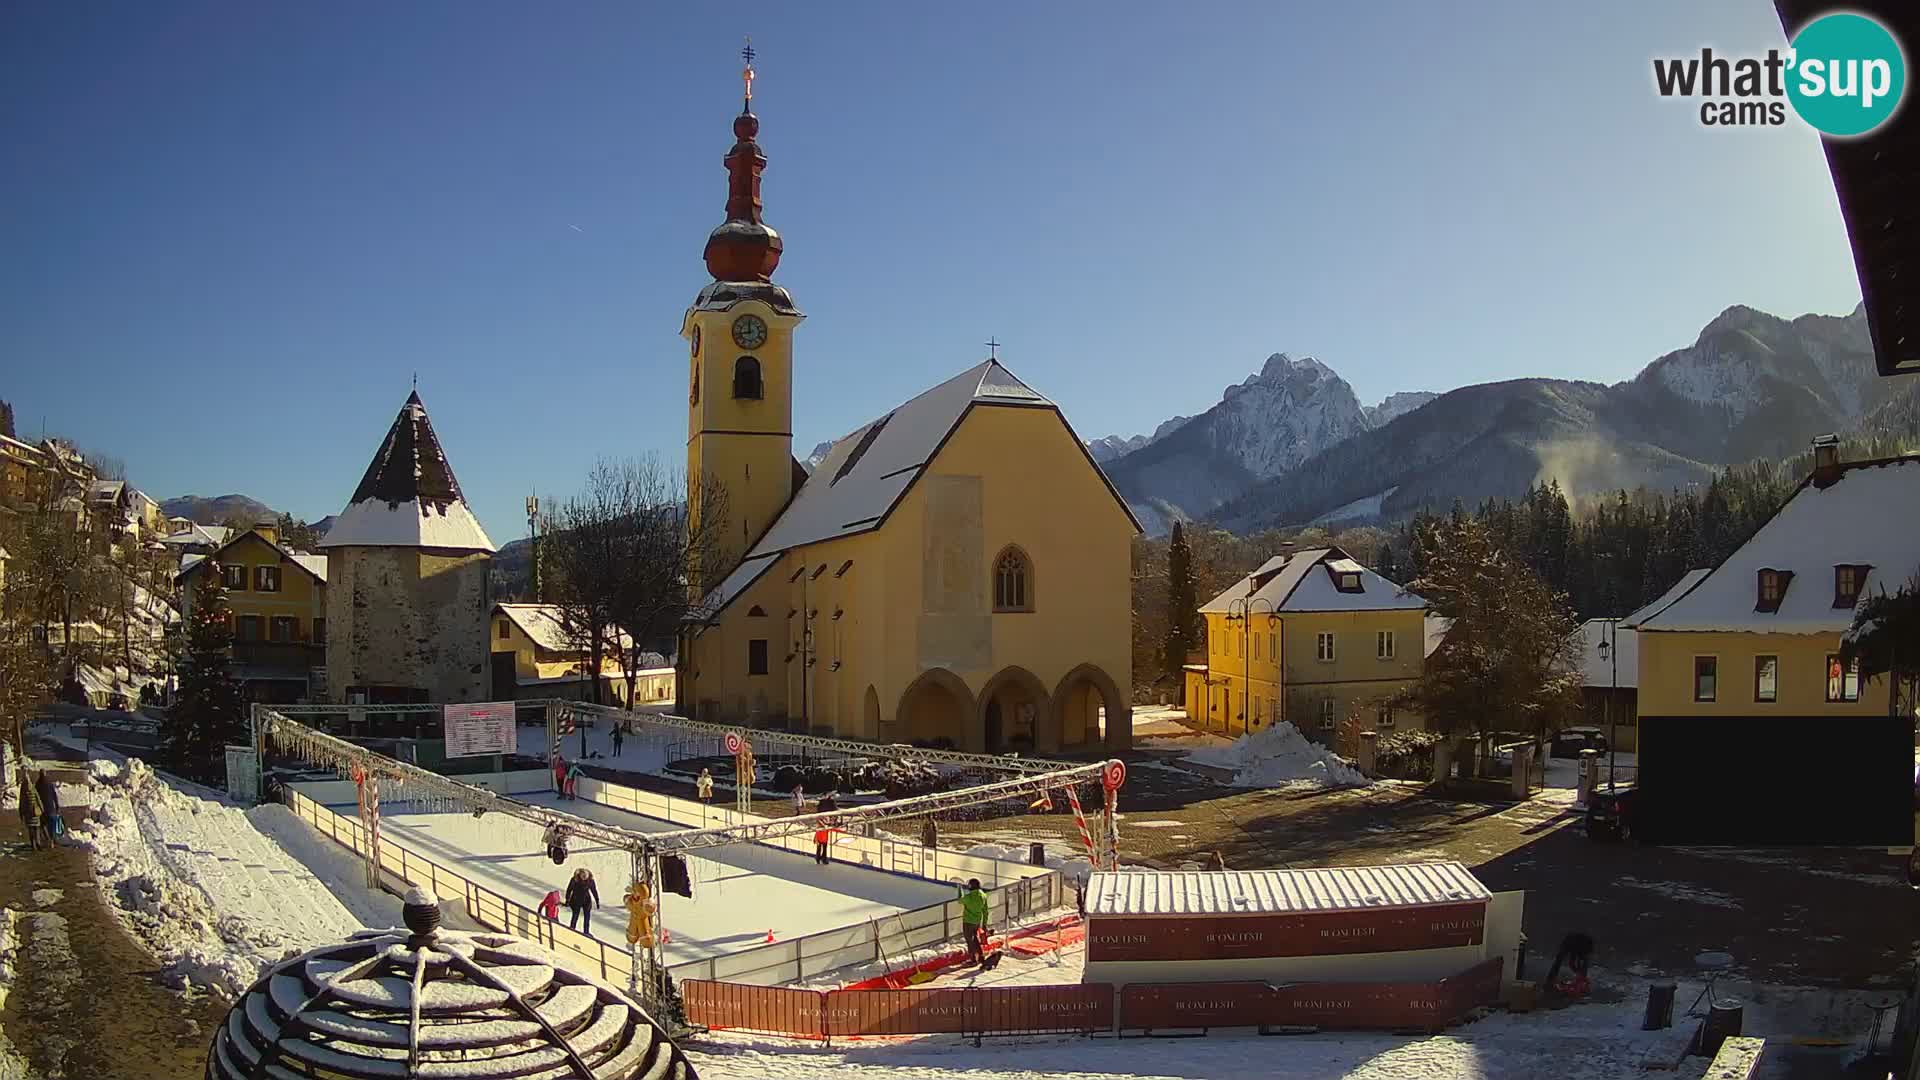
1080	820
1113	829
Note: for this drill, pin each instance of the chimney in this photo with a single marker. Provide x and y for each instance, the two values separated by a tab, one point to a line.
1826	460
268	531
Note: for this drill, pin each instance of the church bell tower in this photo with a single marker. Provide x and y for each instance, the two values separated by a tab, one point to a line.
739	335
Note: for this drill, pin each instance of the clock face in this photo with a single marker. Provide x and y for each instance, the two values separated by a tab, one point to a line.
696	341
749	332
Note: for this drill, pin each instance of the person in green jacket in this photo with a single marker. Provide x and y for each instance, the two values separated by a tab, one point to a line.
973	917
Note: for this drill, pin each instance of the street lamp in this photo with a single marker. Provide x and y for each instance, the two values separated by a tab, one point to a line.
1238	610
1610	652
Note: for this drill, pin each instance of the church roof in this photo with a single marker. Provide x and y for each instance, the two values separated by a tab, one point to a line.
409	497
868	472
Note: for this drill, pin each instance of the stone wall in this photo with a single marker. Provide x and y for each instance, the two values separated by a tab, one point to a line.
407	617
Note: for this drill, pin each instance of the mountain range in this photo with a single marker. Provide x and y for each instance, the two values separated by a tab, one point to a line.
1292	445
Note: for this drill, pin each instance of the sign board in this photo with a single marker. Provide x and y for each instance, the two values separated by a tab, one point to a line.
243	773
1324	933
480	730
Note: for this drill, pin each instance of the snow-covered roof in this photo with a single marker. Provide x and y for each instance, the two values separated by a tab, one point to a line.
312	564
544	624
196	534
1620	666
106	490
1687	581
1291	583
1437	627
1270	892
865	475
1869	516
408	497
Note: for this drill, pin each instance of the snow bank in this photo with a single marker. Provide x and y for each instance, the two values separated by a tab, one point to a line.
212	898
1279	756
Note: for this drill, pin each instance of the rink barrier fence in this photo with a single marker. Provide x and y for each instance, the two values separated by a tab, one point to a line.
1086	1008
1022	893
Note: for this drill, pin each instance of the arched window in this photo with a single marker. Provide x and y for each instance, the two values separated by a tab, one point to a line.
746	378
1012	581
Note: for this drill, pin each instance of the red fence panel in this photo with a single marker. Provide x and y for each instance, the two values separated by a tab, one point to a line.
1323	933
1477	986
1361	1006
1191	1005
772	1009
1005	1010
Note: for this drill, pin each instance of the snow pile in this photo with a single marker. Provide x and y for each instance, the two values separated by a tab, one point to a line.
9	945
1279	756
193	879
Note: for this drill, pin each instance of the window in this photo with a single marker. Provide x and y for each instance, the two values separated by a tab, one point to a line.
1323	646
502	630
757	656
756	612
1256	646
1012	582
746	378
319	631
1383	716
1766	678
1349	583
1327	706
249	628
281	628
1273	646
1706	677
1847	581
1383	644
1843	679
1773	589
236	576
266	579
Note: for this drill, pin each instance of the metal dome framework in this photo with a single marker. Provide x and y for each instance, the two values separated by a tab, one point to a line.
452	1005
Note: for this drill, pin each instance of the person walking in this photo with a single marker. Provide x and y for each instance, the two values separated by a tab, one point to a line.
50	819
29	814
1219	862
929	834
582	895
550	905
799	799
619	736
973	919
704	785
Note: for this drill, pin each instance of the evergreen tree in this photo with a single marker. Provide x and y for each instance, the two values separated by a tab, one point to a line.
1181	602
209	713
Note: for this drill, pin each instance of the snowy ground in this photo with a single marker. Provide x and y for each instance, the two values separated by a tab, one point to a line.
739	892
1278	757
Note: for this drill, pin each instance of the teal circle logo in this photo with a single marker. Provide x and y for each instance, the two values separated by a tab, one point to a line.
1847	74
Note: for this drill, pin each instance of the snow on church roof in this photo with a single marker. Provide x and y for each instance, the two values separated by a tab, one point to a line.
1869	516
408	497
1289	584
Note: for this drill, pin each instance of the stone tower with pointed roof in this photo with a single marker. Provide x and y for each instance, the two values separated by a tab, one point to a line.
408	569
957	571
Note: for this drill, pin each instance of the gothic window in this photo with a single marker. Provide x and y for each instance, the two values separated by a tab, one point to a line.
746	378
1012	581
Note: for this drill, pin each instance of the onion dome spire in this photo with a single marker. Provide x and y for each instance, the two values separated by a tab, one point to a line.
744	248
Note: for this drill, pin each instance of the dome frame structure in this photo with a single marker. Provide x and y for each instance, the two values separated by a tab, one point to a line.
427	1004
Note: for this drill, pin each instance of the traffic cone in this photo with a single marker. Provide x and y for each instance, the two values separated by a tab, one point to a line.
769	936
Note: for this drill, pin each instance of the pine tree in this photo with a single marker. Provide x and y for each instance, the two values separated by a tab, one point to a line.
1181	602
209	712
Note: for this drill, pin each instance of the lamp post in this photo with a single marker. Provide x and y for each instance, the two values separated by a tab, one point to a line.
1240	609
1610	652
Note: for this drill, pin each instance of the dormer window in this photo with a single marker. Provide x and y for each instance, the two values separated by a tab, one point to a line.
1346	575
1349	582
1773	589
1848	579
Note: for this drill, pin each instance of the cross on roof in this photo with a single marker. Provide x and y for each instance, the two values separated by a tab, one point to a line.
993	348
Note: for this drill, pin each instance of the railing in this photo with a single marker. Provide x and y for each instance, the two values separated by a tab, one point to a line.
1016	892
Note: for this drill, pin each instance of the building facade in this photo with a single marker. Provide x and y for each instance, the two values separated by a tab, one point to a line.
408	571
278	601
1308	638
954	572
535	656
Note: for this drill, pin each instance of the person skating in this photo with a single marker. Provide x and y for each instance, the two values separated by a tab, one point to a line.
973	920
550	905
822	837
556	841
704	785
582	895
573	780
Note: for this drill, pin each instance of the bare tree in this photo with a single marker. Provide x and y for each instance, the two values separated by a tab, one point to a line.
619	557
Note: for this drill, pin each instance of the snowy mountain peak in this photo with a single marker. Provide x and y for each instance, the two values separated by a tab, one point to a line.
1112	446
1396	405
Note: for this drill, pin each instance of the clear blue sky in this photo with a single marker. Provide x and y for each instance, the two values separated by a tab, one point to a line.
233	232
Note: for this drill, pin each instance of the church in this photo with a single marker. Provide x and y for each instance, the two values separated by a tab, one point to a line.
954	573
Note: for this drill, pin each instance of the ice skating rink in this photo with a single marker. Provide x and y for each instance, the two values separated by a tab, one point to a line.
739	892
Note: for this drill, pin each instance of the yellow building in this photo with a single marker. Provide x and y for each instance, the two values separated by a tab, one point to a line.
1759	634
1307	638
535	656
955	571
278	599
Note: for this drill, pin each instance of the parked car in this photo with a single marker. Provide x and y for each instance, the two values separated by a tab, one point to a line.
1610	814
116	702
1569	743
